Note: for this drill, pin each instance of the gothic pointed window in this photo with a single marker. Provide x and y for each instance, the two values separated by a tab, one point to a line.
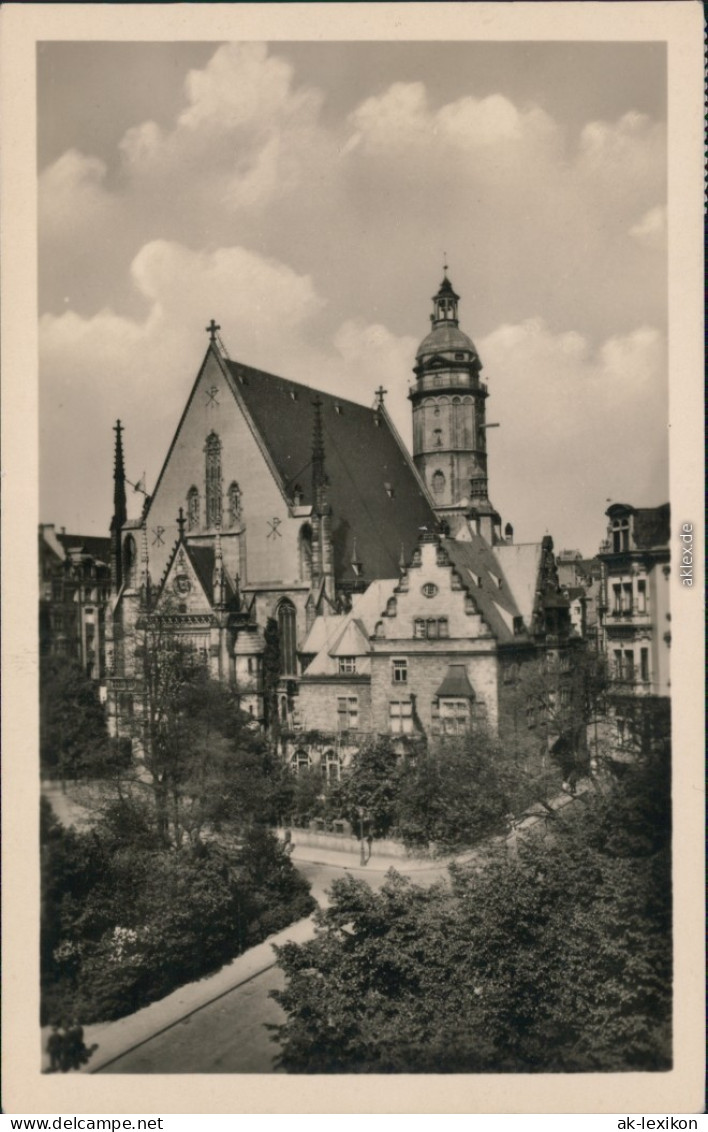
212	449
305	548
438	482
287	629
193	508
234	497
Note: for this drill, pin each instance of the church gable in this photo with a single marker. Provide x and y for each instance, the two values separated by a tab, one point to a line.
220	474
183	590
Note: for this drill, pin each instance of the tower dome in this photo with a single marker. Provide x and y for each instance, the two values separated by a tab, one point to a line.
445	337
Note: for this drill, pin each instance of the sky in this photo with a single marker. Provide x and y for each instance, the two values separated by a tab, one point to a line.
305	196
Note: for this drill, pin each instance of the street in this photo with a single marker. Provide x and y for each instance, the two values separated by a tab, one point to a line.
231	1034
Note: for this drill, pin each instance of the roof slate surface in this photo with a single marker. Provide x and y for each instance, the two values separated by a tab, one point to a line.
202	559
361	457
652	526
478	558
456	683
98	548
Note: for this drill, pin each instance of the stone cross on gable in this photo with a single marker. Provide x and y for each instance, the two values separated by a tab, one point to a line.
212	329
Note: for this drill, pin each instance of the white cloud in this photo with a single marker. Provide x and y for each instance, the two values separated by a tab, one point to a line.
570	413
72	196
650	230
583	422
312	240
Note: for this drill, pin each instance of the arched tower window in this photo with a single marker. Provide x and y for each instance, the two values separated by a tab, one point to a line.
212	449
234	496
193	508
438	482
287	628
305	548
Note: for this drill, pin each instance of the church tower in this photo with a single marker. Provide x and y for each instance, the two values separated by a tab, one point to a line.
449	428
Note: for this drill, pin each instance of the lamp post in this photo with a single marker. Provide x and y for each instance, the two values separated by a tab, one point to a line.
362	852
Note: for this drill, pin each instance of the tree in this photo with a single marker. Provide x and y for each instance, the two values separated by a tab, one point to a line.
124	921
271	675
557	959
371	786
74	740
453	795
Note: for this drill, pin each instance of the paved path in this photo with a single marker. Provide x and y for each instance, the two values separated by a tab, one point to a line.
228	1033
219	1024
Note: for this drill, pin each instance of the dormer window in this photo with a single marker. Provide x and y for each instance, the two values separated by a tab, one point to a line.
347	666
620	535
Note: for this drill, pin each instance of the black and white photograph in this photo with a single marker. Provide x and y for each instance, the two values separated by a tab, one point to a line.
359	564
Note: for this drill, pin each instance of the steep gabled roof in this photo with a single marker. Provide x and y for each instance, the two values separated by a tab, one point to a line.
482	572
375	493
521	563
354	641
330	633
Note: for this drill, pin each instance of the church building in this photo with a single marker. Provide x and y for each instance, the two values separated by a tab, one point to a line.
385	573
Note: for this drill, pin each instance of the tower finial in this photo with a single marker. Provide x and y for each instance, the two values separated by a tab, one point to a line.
120	509
445	263
180	523
212	329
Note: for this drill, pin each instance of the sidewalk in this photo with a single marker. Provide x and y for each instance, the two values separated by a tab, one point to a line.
113	1039
116	1038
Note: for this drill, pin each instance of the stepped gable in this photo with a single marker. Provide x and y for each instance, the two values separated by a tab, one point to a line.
373	488
481	573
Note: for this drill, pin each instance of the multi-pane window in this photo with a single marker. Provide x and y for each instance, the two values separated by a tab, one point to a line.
641	596
347	712
618	663
288	641
192	508
399	671
629	665
332	766
454	716
627	597
644	665
431	628
234	495
212	450
620	535
300	761
400	714
617	596
347	665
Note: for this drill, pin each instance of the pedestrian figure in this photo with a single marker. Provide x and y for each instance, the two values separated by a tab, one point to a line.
288	841
54	1049
77	1054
